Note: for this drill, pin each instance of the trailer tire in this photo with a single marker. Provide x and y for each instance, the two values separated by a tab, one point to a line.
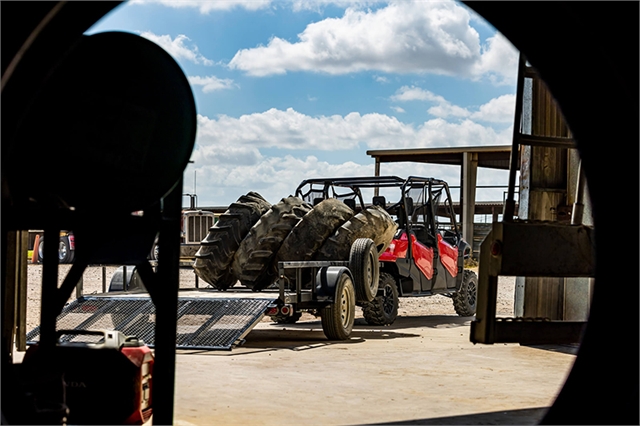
213	259
363	263
314	228
465	299
383	309
373	222
338	317
253	261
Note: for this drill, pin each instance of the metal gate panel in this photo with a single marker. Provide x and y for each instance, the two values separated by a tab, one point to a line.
202	323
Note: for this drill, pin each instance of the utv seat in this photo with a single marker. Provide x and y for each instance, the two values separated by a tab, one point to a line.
351	203
379	200
422	235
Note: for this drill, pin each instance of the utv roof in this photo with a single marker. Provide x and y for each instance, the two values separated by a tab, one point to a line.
372	181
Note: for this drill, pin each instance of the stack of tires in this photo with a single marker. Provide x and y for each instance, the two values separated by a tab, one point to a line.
251	237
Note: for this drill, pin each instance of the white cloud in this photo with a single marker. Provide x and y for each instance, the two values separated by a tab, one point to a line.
229	162
211	83
497	110
290	129
397	109
207	6
380	79
403	37
176	47
319	5
413	93
499	61
238	140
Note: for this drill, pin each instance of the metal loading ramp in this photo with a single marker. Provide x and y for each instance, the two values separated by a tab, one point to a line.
203	323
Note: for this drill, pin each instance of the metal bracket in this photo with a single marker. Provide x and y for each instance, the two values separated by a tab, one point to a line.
534	249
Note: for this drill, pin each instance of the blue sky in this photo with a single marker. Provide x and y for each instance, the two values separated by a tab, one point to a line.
290	90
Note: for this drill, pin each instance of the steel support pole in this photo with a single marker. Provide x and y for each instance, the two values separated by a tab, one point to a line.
167	307
510	204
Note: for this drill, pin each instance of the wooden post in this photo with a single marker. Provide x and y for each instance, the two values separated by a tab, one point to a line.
468	191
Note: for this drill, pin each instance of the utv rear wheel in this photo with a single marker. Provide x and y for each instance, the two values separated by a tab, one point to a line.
253	261
383	309
337	318
213	259
363	263
465	299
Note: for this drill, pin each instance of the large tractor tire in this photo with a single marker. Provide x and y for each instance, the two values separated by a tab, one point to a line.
383	309
373	222
253	261
314	228
213	259
465	299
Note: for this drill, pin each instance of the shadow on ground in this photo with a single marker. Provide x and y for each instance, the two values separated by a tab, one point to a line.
528	416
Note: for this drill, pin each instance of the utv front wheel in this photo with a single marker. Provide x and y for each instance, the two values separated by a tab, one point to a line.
465	299
383	309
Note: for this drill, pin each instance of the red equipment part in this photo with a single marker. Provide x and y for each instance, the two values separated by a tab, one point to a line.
106	382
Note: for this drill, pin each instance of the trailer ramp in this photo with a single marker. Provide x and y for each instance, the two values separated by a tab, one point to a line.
203	323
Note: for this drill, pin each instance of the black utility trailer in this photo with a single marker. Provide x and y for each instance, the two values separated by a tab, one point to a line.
214	319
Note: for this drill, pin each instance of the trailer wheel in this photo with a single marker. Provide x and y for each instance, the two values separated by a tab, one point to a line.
383	309
373	222
253	261
213	259
337	318
465	299
314	228
363	263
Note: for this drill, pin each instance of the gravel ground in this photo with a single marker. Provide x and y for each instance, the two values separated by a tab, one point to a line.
409	306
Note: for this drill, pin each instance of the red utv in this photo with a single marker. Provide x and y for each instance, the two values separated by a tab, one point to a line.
426	256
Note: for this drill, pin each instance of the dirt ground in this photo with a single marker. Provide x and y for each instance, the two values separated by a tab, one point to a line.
409	306
420	370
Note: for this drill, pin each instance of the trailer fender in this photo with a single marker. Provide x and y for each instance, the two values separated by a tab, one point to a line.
326	280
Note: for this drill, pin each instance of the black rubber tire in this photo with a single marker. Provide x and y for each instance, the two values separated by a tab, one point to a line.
253	261
337	318
373	222
153	254
290	319
383	309
213	259
65	254
466	299
363	263
64	250
314	228
40	249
